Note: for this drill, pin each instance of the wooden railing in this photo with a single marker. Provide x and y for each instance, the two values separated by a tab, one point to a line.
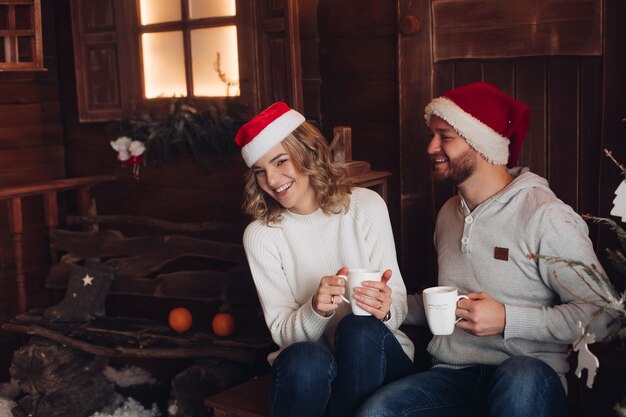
48	190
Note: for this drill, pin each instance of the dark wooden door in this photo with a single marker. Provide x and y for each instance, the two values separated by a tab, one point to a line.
547	54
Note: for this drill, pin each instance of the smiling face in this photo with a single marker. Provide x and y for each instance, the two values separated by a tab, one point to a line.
280	178
452	158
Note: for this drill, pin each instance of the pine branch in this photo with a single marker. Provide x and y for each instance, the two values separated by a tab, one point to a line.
609	154
619	231
186	130
612	300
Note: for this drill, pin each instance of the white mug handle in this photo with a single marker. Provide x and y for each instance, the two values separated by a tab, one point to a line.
457	300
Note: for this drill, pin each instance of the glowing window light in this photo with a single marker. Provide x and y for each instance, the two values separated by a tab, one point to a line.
159	11
206	44
6	49
163	64
215	8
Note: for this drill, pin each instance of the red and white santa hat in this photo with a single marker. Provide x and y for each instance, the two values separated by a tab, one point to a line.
267	130
491	122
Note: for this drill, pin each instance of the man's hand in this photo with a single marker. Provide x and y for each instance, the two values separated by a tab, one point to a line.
482	314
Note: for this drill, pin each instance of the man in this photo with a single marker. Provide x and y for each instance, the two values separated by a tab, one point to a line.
507	356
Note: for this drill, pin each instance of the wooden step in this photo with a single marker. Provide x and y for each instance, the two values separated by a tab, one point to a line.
250	399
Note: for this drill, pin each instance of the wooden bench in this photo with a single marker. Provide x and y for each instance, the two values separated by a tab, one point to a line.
250	399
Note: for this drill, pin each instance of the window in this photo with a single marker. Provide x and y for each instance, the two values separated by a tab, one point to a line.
136	55
189	48
20	35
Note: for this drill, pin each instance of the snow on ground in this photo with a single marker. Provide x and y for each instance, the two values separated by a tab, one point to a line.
5	407
128	375
130	408
121	407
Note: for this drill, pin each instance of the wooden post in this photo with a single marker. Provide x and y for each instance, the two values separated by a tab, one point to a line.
51	209
84	200
341	147
342	144
360	172
87	207
16	226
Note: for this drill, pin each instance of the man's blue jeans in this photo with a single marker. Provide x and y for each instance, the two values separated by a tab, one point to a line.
519	387
307	380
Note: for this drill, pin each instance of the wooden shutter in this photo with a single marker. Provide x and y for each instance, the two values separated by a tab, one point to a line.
280	68
96	60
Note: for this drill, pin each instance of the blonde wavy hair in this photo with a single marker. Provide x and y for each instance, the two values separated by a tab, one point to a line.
311	155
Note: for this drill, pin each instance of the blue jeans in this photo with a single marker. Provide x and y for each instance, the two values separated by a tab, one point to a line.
519	387
308	380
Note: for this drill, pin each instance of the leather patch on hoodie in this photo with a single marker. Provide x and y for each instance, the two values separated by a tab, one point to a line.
501	254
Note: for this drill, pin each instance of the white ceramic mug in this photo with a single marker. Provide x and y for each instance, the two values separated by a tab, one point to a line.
440	306
354	279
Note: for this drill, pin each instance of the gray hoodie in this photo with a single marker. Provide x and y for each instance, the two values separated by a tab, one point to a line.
543	300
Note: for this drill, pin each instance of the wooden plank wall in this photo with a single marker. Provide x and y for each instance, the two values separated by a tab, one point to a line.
309	49
357	48
613	120
31	149
563	143
177	191
568	129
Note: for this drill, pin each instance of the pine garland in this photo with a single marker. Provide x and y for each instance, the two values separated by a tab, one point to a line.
186	130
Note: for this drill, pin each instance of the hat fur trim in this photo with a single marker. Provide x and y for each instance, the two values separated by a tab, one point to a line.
271	135
487	142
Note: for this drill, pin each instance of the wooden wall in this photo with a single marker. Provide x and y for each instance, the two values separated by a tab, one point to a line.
357	63
563	141
31	149
309	48
370	64
613	122
575	106
179	190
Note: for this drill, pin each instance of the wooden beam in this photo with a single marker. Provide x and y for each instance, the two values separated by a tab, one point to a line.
475	29
54	185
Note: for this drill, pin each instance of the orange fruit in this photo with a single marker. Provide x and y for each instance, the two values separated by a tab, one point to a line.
180	319
223	324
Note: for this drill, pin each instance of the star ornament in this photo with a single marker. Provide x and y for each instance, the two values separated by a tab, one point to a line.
87	280
619	203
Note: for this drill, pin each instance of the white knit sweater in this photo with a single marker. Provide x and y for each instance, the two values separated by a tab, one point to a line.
289	259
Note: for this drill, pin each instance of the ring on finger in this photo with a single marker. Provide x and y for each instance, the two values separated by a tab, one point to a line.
332	299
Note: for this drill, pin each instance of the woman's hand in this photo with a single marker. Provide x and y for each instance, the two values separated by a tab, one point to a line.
375	296
328	294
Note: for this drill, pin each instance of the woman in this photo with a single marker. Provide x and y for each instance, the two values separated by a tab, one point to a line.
308	227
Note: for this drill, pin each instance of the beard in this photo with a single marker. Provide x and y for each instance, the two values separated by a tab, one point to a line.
460	168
